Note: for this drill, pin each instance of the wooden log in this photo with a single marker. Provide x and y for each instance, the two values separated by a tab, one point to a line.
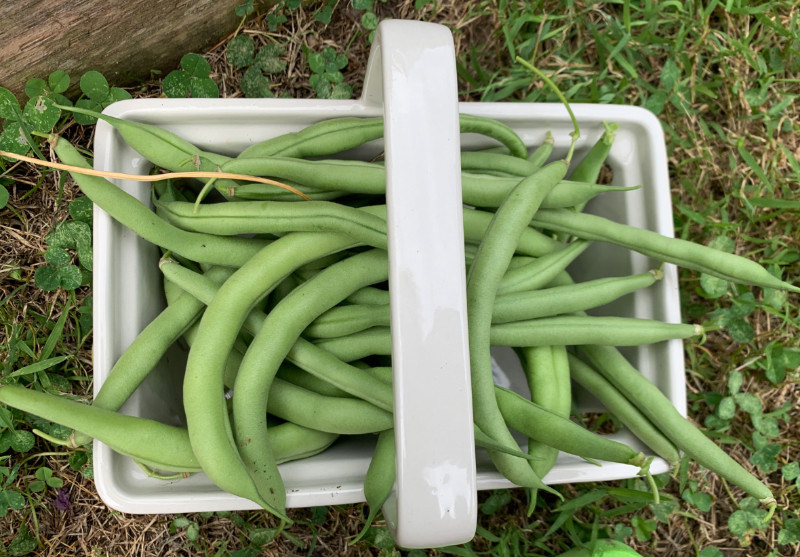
125	40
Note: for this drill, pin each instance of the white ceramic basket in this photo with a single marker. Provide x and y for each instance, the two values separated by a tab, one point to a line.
411	82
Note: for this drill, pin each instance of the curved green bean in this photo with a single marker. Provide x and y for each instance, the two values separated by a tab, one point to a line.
279	331
658	408
155	444
548	427
340	415
542	270
485	273
127	210
203	387
623	409
686	254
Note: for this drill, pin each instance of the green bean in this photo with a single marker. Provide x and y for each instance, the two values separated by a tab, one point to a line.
539	156
255	191
509	165
268	217
131	213
548	427
623	409
369	295
279	331
347	416
293	442
542	270
369	178
519	306
380	478
547	374
588	170
496	130
354	381
556	331
686	254
349	319
319	139
485	274
572	330
301	378
339	134
158	145
568	299
204	402
658	408
155	444
325	365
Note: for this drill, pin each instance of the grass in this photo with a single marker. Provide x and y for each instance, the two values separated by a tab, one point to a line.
721	76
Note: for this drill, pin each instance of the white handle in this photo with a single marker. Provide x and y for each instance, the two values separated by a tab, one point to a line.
412	73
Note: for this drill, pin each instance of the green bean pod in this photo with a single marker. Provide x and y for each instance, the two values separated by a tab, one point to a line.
380	478
203	387
568	299
571	330
270	217
158	145
689	255
339	134
588	169
574	330
127	210
547	375
548	427
658	408
340	415
623	409
480	162
541	271
279	331
485	273
157	445
369	295
490	127
301	378
320	139
541	154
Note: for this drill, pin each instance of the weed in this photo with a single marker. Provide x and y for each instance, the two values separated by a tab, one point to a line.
259	64
98	95
326	77
192	80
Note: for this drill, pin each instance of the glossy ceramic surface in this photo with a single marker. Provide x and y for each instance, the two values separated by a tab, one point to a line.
412	74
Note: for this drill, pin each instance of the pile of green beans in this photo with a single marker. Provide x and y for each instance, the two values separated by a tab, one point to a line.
284	306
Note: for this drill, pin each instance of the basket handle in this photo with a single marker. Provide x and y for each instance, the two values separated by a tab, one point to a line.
411	72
